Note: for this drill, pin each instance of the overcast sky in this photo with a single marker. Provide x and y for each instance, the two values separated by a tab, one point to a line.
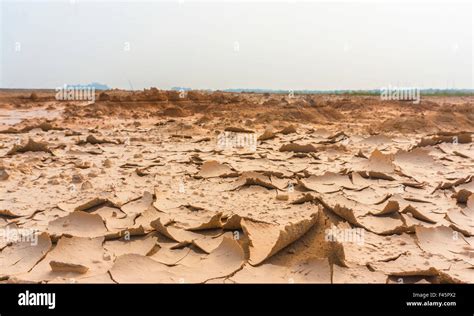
278	45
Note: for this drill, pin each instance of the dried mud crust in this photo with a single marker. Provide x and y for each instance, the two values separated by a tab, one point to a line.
138	188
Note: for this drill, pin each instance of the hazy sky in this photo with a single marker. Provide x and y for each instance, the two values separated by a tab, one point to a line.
279	45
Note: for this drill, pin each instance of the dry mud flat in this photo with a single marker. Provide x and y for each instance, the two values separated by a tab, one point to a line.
153	187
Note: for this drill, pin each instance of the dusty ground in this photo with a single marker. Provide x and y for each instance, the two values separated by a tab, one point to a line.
156	187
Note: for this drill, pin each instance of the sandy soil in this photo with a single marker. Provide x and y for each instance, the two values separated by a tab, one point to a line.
157	187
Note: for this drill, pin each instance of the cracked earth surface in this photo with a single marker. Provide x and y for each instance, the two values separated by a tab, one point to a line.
148	187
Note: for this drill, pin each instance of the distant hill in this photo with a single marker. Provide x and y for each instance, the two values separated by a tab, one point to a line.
96	85
181	89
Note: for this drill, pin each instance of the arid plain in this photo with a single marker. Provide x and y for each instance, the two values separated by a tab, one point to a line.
210	187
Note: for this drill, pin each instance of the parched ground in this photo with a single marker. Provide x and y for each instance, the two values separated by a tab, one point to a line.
163	187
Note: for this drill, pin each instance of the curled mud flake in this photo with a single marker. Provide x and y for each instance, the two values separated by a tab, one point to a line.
290	129
463	219
267	135
74	257
213	169
255	178
142	246
224	261
57	266
412	264
446	137
237	130
462	196
78	224
30	146
138	206
91	139
20	257
3	174
267	239
445	242
298	148
379	162
329	182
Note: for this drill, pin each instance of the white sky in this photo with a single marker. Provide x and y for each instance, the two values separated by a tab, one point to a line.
278	45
